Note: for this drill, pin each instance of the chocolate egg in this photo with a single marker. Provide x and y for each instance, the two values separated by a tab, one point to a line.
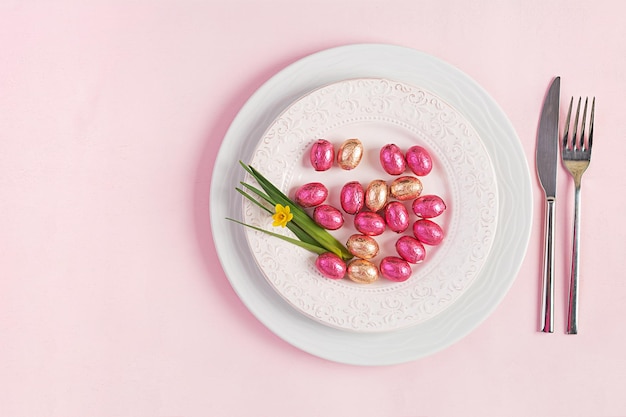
352	197
405	188
376	195
331	265
419	161
396	216
328	217
350	154
362	271
362	246
392	159
395	269
322	155
428	232
428	206
311	194
410	249
369	223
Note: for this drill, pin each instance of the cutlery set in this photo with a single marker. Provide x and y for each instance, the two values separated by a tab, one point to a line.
575	157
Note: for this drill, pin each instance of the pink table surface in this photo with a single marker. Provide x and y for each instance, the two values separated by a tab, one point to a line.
112	299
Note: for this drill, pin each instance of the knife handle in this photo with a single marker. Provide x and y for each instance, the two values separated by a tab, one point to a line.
547	304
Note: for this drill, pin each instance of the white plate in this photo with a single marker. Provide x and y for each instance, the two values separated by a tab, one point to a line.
377	111
514	204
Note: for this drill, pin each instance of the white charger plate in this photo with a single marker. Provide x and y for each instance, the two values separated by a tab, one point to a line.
513	188
377	111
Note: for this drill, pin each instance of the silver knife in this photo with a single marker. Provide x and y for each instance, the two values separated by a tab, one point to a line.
546	158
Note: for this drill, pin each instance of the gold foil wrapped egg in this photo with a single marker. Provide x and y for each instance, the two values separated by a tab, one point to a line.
362	271
350	154
362	246
376	195
405	188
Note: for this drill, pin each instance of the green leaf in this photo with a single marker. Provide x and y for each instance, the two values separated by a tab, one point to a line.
249	197
312	248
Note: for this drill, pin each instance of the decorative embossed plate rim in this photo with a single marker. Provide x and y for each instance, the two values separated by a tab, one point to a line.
514	204
378	111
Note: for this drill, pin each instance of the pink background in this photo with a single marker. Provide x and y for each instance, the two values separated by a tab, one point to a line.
112	300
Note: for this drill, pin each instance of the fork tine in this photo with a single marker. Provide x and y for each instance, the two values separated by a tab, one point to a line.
590	140
574	136
566	133
581	146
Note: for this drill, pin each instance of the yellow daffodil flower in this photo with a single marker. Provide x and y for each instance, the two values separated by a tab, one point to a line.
282	216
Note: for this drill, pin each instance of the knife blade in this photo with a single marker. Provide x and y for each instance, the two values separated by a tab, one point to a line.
546	160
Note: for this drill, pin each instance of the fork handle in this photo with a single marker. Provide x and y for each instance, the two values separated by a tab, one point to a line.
572	314
547	304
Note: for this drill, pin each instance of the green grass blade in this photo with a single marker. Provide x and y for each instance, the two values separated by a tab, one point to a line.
258	192
312	248
252	199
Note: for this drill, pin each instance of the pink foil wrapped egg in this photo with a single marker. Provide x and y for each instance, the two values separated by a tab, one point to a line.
395	269
352	197
311	194
392	159
410	249
322	155
369	223
331	265
396	216
428	232
328	217
428	206
419	161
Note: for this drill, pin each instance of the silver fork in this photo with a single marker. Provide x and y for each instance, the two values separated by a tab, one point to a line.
576	155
